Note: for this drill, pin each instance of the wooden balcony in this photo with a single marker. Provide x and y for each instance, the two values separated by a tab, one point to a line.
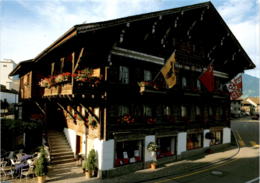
63	89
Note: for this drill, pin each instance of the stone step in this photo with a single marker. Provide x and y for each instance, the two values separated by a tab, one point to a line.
61	161
62	153
58	150
70	156
58	144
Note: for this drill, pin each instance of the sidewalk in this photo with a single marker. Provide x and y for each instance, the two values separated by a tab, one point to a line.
176	168
71	173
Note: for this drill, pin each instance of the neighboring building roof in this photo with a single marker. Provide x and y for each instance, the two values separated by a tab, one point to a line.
244	102
22	67
3	89
7	61
254	100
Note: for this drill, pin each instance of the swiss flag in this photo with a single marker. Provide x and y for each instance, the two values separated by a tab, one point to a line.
207	78
235	87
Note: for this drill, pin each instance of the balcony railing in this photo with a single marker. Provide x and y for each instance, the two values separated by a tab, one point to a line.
63	89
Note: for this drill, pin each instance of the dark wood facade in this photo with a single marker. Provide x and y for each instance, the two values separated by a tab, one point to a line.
121	53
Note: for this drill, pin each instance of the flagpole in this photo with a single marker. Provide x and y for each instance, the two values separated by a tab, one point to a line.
157	75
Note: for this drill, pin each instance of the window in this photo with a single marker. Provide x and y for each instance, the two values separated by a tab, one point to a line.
4	65
167	111
217	138
194	141
184	82
210	111
147	111
198	85
128	152
198	112
147	75
124	74
167	146
123	110
184	111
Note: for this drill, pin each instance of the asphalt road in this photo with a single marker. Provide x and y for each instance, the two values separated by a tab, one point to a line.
243	169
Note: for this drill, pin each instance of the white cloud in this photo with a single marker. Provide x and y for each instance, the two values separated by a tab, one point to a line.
24	39
242	17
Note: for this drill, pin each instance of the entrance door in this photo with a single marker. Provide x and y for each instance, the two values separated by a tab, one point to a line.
78	144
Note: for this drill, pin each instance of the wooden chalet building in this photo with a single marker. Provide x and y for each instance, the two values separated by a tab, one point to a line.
100	83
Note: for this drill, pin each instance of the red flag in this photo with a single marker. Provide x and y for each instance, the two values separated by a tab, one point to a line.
235	87
207	78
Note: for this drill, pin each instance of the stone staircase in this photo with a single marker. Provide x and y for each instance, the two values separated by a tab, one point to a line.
60	150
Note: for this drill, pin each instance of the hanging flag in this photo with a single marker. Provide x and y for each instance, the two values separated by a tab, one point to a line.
168	71
207	78
235	87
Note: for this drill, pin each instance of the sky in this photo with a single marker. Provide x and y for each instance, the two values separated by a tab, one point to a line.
27	27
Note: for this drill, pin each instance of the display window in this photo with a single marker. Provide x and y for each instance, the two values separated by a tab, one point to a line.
194	141
217	137
166	147
128	152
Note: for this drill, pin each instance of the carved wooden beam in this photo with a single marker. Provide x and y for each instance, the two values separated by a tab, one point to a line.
64	109
79	59
72	68
41	109
78	113
89	111
121	37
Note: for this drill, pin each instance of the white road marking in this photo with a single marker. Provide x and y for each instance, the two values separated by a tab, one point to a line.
251	181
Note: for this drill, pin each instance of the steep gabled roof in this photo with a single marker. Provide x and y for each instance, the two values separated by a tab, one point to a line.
22	67
85	29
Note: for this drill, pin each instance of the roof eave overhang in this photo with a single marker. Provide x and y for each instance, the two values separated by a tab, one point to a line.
65	37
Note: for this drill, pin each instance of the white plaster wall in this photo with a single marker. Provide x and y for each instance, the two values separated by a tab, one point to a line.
226	135
181	142
206	142
147	154
71	138
84	143
105	152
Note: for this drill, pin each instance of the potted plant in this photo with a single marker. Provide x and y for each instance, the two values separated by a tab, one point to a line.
89	164
41	166
152	147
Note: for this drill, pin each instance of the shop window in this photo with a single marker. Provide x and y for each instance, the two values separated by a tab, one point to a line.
128	152
217	138
124	75
194	141
167	146
147	75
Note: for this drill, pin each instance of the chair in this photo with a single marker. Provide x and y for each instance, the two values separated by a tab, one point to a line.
11	155
27	172
19	156
14	162
6	170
